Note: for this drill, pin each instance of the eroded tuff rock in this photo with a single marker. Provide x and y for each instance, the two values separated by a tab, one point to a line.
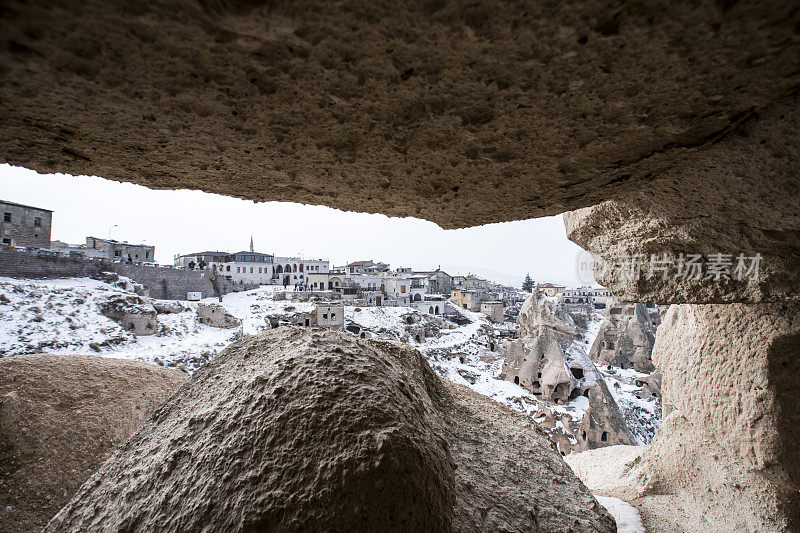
603	424
460	114
302	428
538	359
626	338
60	419
728	445
741	197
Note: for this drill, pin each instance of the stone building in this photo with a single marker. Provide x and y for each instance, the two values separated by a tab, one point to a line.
439	281
600	298
550	289
123	251
25	225
493	310
365	267
256	268
326	316
469	299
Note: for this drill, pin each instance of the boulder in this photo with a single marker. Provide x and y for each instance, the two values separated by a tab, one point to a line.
132	312
300	428
165	307
216	316
61	417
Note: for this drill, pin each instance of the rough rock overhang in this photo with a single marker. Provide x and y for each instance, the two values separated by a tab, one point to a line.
460	113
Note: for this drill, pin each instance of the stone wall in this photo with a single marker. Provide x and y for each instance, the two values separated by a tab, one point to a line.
163	283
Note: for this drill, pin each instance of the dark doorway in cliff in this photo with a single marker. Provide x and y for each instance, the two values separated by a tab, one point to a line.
516	380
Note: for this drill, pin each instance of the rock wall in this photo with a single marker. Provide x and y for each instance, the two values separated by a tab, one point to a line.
305	428
162	283
728	441
61	417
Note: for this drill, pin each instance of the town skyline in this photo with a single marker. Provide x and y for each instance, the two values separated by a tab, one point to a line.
92	206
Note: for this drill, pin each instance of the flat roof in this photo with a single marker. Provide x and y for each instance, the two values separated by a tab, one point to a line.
26	206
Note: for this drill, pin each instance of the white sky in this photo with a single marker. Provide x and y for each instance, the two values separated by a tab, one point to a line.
185	221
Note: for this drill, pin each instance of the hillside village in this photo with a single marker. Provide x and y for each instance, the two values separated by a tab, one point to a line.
573	359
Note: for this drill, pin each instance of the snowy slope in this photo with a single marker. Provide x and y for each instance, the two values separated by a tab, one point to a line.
63	316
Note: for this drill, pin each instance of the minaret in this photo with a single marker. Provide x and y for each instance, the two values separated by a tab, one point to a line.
251	244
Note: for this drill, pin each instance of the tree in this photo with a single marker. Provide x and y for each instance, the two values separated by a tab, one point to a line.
527	285
202	264
191	265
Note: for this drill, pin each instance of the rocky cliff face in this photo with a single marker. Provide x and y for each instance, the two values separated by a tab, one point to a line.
538	360
545	360
302	428
61	417
728	438
626	338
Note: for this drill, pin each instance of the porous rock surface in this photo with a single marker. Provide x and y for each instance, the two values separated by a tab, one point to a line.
304	428
736	197
728	445
60	419
462	114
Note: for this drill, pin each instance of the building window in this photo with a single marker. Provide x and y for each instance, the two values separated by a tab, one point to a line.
117	253
238	270
147	255
251	270
6	217
37	221
6	241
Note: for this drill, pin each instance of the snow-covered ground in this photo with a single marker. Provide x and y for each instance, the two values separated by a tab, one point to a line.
63	316
626	515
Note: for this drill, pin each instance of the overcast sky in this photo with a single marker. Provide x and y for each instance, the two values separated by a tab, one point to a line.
186	221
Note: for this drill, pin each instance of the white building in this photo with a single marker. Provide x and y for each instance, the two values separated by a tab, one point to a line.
364	267
432	304
601	297
254	268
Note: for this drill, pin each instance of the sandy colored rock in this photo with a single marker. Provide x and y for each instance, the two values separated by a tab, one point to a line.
743	198
458	114
607	471
304	428
60	419
603	423
132	312
727	447
538	361
612	471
